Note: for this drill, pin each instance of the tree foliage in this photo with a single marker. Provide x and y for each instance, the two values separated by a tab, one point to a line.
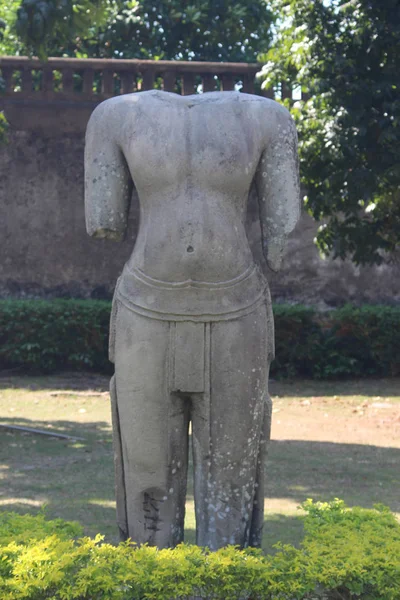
345	57
199	30
9	43
47	27
3	126
218	30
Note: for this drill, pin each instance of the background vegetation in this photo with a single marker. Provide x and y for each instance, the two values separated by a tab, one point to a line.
344	56
73	334
199	30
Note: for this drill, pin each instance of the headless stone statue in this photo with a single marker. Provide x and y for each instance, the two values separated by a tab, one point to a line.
191	327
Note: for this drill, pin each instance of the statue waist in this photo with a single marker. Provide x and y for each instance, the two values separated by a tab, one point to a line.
189	300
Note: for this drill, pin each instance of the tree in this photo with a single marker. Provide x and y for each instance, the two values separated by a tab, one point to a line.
9	44
221	30
53	27
345	57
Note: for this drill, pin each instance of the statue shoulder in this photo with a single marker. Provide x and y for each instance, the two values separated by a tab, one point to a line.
274	119
112	115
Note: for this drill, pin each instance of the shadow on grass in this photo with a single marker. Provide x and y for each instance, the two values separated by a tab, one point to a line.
75	478
302	388
360	474
79	381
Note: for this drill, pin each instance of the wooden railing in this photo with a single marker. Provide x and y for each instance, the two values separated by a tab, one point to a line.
59	95
97	79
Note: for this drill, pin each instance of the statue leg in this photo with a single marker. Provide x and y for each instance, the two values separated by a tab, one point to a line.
122	517
257	518
229	432
152	431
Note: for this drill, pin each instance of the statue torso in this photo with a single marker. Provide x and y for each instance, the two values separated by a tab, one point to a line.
192	160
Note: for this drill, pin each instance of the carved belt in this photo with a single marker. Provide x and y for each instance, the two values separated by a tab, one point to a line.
189	300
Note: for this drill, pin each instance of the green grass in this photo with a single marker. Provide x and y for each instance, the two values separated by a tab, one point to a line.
74	479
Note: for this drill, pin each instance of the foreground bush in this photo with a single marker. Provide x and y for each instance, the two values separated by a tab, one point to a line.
346	554
73	334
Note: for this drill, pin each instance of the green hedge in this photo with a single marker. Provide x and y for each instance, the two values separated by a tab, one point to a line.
50	335
346	554
73	334
349	341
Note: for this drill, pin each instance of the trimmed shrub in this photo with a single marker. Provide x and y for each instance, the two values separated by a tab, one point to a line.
346	554
73	334
361	341
60	334
20	529
298	341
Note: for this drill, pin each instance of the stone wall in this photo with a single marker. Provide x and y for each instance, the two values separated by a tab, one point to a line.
45	250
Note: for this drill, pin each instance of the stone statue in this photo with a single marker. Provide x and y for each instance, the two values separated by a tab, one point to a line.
191	327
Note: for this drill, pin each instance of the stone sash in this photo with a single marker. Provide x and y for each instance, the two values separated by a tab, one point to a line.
199	301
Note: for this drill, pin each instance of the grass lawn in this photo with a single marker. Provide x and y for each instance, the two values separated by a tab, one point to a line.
329	439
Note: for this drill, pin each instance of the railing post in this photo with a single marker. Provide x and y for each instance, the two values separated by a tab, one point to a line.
26	80
148	79
107	86
208	82
7	73
169	81
228	82
188	84
47	80
88	78
248	84
127	78
68	81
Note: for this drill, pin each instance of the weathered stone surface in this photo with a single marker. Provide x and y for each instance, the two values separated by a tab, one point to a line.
192	328
45	248
45	251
